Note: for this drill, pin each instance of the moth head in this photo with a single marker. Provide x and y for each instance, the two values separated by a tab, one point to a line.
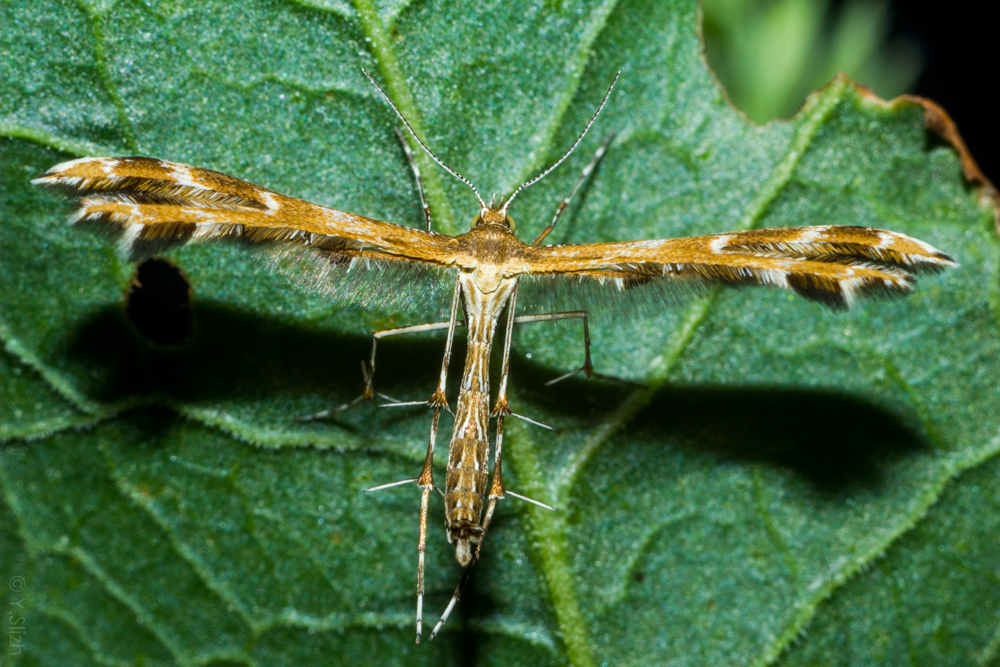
491	214
494	215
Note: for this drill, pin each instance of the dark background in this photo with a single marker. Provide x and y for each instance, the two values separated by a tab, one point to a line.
959	42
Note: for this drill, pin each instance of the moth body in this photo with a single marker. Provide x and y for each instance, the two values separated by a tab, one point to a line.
468	452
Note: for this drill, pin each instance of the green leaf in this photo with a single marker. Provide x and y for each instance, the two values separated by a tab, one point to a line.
739	505
932	599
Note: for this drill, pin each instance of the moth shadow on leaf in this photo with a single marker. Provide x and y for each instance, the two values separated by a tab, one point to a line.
835	441
246	357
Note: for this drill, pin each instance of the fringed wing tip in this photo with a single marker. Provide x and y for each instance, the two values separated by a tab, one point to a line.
936	262
836	287
839	264
838	244
112	227
64	175
848	293
53	180
132	243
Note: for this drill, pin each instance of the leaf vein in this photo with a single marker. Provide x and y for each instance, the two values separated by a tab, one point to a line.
640	549
80	634
549	532
838	578
579	62
194	562
100	60
764	512
172	645
36	135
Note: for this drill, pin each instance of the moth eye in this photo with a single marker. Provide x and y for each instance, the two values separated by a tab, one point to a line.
478	220
511	224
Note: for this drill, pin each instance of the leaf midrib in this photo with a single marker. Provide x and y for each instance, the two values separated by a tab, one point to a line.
402	96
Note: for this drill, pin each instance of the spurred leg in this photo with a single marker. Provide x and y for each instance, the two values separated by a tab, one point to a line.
426	480
368	371
588	366
579	182
497	491
416	176
437	402
500	411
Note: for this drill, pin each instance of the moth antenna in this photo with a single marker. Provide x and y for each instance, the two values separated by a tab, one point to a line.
423	145
571	148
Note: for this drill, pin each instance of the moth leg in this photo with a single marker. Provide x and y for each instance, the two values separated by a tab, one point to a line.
368	370
416	176
438	399
579	183
588	367
453	601
426	483
500	410
497	491
369	392
426	479
438	402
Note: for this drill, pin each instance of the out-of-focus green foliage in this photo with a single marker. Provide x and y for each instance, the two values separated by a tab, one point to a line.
770	54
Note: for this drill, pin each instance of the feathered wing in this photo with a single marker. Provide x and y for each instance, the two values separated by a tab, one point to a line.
148	206
834	265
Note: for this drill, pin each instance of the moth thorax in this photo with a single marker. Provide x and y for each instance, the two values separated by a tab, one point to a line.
494	216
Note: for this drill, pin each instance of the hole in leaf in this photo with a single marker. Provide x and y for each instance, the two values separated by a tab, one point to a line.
159	303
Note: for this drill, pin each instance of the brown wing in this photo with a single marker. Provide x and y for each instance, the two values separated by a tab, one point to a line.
149	205
831	264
